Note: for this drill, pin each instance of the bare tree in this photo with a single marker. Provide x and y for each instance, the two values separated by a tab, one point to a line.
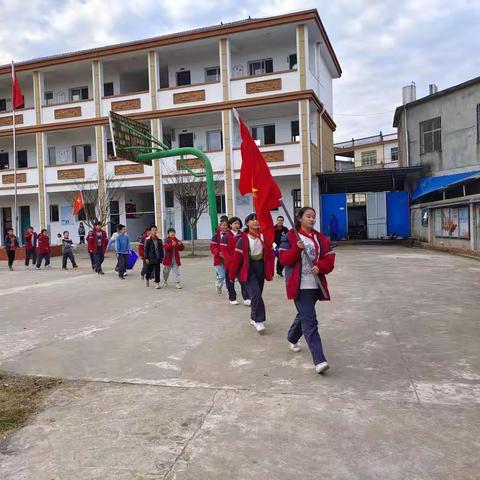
192	194
97	206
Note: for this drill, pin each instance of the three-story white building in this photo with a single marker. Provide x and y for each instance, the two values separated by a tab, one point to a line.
277	72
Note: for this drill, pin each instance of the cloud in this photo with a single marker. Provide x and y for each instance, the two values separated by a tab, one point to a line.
381	44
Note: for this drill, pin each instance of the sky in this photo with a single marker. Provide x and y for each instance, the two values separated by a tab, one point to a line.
382	45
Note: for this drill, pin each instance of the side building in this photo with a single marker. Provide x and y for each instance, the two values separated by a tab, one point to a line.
277	72
441	133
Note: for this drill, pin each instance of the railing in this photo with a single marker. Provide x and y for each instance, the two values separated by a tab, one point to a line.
357	142
127	102
24	118
68	111
268	84
278	154
195	94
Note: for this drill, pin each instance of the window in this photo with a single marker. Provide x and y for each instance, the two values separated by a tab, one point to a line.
52	156
214	140
183	78
212	74
478	121
114	214
185	139
297	200
431	135
394	154
264	134
22	159
110	152
82	153
220	199
369	158
4	165
54	216
169	200
108	89
292	61
260	67
3	104
356	199
295	128
78	93
48	98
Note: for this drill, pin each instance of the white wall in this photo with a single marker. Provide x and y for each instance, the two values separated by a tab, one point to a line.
61	86
63	142
144	203
23	143
325	83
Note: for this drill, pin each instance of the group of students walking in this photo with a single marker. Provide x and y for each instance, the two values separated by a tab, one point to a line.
304	253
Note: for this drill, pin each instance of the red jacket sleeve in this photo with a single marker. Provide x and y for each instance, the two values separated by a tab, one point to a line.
237	260
168	246
214	246
289	253
180	246
326	263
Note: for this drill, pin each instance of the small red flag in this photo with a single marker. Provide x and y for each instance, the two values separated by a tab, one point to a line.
18	100
256	178
78	203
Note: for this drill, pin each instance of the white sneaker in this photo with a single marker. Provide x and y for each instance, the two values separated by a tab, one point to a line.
322	367
259	326
178	285
158	286
233	302
247	303
165	283
147	282
295	347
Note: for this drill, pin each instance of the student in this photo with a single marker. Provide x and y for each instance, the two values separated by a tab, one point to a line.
59	239
122	248
81	233
30	246
253	262
223	218
111	244
153	255
218	256
43	249
141	247
173	246
89	247
228	244
280	230
97	244
333	227
11	245
302	282
67	251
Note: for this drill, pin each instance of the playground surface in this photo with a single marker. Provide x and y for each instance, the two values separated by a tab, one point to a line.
174	384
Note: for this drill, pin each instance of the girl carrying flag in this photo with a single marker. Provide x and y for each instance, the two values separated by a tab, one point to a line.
253	263
306	284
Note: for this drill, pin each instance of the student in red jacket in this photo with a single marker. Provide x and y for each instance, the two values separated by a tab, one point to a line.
30	238
227	246
172	247
253	263
90	252
218	255
305	284
11	245
141	250
97	244
43	248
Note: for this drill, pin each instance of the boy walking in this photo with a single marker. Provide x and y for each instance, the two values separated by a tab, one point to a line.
171	261
11	245
30	238
43	248
67	250
122	247
97	244
153	255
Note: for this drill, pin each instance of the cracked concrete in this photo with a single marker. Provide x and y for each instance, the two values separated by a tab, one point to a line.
175	384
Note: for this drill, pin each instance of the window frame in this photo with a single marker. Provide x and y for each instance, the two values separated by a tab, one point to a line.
291	64
221	202
48	97
82	91
183	72
396	154
296	200
295	138
217	79
57	215
170	200
209	147
113	89
4	101
181	134
26	158
433	133
255	129
263	66
6	166
85	156
366	162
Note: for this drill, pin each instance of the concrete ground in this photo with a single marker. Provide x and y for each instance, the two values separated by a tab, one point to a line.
174	384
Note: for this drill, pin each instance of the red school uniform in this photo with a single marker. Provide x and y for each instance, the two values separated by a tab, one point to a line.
227	246
172	247
43	244
92	241
215	248
30	240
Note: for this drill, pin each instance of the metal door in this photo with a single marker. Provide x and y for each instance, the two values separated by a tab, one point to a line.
376	215
398	214
336	204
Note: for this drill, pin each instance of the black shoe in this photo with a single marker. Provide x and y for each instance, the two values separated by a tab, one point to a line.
101	272
64	268
280	274
75	266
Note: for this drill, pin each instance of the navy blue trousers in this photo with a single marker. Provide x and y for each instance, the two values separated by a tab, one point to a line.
255	283
98	258
306	324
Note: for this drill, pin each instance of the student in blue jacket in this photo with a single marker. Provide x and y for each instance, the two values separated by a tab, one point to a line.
122	247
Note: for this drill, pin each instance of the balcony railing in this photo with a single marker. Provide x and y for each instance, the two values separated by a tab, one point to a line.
266	84
23	118
127	102
357	142
68	111
194	94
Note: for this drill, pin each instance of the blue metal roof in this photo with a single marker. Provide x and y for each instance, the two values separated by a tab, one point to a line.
427	185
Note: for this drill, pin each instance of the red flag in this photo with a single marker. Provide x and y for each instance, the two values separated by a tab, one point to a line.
78	203
17	96
256	178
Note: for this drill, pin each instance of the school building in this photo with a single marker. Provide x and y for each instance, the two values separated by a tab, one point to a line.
277	72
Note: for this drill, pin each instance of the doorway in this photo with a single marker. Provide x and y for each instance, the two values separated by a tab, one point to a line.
191	211
24	222
357	216
6	221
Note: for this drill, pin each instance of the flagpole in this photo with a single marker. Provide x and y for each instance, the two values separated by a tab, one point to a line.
14	159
